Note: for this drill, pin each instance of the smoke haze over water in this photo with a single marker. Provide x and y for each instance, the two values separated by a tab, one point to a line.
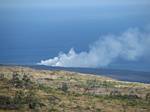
131	45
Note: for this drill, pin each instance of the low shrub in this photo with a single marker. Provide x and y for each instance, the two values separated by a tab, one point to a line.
7	102
21	82
64	87
27	98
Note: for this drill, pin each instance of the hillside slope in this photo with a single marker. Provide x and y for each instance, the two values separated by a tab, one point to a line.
23	89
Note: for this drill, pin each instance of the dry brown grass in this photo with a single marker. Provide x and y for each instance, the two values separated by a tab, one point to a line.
85	92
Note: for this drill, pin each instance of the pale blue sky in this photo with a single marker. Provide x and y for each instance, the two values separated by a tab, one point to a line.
31	30
75	2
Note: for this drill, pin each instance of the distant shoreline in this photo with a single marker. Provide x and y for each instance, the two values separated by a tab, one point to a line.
121	75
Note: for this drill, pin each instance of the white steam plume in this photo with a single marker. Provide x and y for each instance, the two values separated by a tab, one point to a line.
130	45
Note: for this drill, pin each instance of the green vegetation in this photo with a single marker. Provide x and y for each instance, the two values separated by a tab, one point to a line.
21	82
64	87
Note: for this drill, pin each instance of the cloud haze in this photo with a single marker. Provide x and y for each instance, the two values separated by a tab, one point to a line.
69	3
130	45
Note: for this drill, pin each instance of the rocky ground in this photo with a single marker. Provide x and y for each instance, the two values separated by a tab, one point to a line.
23	89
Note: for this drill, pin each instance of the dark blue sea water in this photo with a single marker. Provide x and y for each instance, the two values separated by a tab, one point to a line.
31	34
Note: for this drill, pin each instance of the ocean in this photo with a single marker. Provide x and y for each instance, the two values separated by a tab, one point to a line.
30	34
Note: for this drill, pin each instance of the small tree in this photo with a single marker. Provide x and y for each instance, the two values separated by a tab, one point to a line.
20	97
27	83
124	107
147	97
64	87
27	97
115	93
21	82
91	83
32	100
16	81
1	76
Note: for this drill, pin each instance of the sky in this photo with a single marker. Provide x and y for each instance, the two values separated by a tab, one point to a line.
36	31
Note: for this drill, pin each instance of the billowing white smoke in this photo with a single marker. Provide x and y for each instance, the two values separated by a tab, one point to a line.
130	45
